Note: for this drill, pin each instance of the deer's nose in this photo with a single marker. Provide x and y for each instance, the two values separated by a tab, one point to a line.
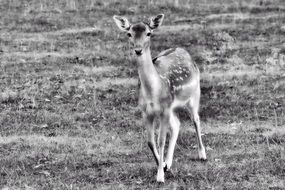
138	51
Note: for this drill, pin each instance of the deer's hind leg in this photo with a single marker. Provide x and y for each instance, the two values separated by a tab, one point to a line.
193	108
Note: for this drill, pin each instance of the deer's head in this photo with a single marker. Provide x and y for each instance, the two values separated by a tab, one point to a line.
139	33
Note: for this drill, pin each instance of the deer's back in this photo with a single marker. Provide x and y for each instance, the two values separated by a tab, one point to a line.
179	72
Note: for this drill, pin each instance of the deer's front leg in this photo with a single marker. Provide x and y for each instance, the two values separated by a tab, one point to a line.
174	126
148	121
164	122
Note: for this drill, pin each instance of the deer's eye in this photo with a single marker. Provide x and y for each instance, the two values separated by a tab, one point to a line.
129	34
148	34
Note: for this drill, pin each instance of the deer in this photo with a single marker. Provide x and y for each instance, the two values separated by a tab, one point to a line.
169	81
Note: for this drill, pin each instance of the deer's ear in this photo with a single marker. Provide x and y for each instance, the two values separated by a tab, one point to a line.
156	21
122	23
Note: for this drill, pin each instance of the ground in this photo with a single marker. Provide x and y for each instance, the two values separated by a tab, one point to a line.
68	95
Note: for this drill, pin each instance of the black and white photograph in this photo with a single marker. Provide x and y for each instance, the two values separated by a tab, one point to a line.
142	94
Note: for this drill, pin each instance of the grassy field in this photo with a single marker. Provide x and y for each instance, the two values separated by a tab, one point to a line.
68	95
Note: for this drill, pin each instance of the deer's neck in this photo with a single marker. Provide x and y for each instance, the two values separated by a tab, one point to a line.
149	77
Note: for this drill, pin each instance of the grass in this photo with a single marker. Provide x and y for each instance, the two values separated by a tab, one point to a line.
68	95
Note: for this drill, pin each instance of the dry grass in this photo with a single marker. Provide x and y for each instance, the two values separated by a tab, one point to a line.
68	92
